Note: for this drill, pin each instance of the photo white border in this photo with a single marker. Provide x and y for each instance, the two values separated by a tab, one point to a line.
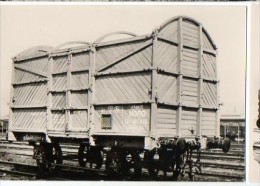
247	111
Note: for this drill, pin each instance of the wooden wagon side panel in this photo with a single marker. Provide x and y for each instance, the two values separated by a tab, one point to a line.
209	98
30	120
190	92
209	66
170	32
209	123
69	92
40	64
206	42
190	33
58	119
189	122
190	62
59	82
166	121
29	95
129	52
123	88
167	88
167	55
122	120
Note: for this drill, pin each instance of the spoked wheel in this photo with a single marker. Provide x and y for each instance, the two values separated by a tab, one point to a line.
82	154
56	156
47	155
159	162
133	163
152	161
91	155
113	163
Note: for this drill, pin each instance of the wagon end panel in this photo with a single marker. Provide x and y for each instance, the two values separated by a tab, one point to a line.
28	104
186	80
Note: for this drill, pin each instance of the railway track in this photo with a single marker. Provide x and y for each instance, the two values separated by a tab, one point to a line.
217	166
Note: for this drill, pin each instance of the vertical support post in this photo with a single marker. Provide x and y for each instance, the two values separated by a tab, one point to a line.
91	92
10	136
180	53
68	94
11	97
154	85
217	101
200	84
49	94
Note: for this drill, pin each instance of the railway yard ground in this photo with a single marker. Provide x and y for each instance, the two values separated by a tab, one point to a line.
16	163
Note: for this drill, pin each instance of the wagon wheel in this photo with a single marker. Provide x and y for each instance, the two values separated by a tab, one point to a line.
39	155
95	156
112	163
47	155
133	163
91	155
152	157
82	154
179	162
226	145
56	154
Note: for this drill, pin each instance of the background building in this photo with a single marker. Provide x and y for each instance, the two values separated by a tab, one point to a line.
233	127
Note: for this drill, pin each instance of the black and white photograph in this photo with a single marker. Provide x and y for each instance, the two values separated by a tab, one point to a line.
127	92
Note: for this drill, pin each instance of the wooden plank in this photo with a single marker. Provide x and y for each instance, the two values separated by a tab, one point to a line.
80	70
210	51
176	43
135	102
28	106
127	71
21	59
30	70
70	108
30	82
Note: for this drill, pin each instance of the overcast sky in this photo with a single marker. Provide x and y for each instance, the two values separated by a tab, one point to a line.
23	27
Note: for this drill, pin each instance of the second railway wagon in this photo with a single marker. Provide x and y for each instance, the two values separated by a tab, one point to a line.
149	95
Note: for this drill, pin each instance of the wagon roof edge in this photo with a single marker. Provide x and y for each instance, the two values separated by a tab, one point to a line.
36	51
172	19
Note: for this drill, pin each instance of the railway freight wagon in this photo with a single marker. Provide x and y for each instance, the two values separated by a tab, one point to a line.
144	101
